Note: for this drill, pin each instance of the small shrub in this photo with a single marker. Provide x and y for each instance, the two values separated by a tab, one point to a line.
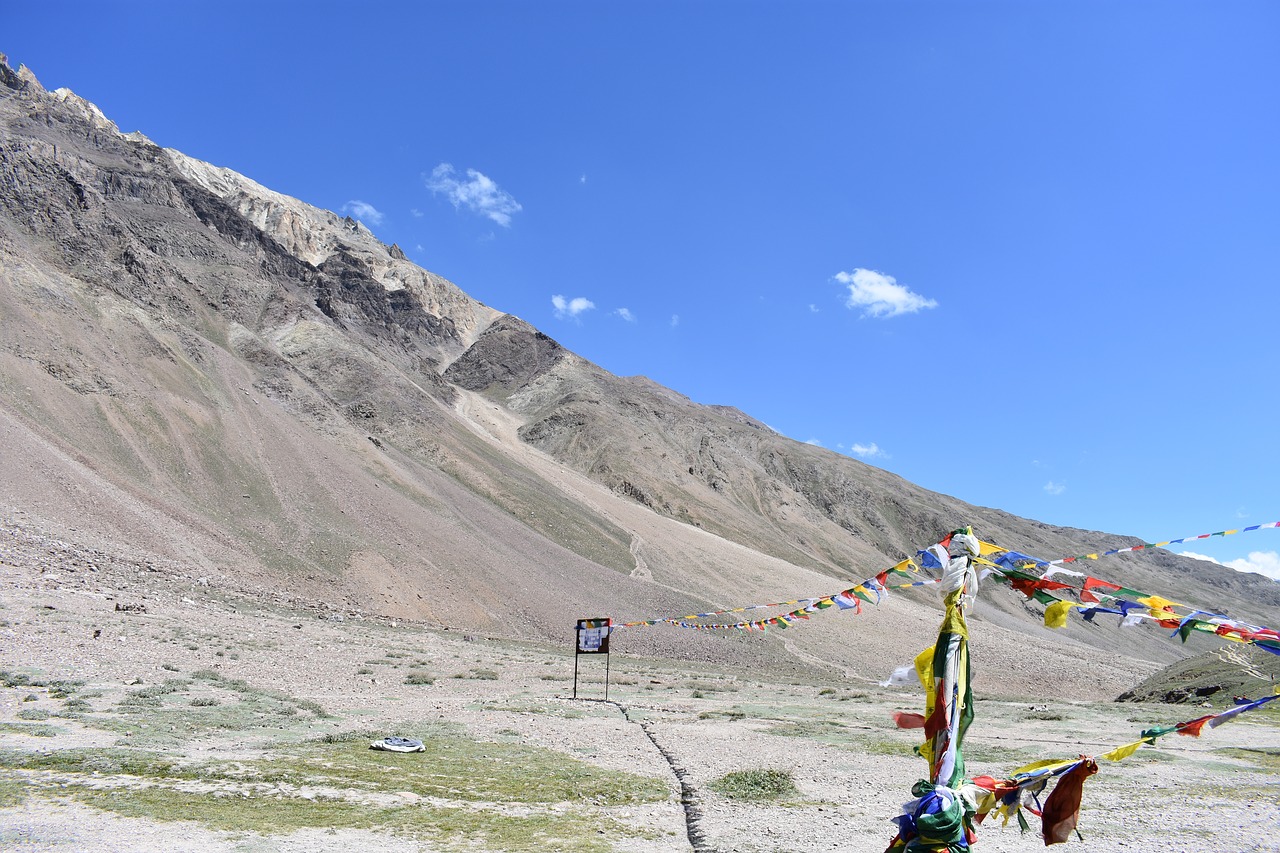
204	702
63	688
755	785
169	667
420	677
364	670
1050	716
350	736
33	714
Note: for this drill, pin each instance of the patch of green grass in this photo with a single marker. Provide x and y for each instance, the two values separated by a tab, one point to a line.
727	715
1263	758
105	761
168	714
29	729
459	768
454	767
564	711
12	792
451	827
888	746
825	731
34	714
755	785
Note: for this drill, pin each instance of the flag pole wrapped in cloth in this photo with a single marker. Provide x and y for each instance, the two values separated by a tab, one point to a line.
940	819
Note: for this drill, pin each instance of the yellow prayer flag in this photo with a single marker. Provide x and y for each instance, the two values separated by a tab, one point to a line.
1046	764
1159	607
1122	752
1055	615
924	671
985	548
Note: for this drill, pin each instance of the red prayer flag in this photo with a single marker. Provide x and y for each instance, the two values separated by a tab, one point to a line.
1193	727
908	720
1094	583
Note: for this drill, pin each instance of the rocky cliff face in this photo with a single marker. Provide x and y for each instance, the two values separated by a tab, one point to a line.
198	367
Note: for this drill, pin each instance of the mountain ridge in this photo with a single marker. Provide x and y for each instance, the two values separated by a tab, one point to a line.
186	348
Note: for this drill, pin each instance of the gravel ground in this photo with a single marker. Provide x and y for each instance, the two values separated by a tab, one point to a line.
116	621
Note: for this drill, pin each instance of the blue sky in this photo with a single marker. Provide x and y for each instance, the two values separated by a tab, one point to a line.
1023	253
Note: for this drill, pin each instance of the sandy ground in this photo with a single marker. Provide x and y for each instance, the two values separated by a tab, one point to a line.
851	767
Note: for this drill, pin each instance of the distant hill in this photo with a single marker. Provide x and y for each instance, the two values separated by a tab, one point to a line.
198	369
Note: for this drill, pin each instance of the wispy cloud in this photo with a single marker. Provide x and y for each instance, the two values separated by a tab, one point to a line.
478	193
880	295
625	313
583	179
866	451
675	320
1262	562
815	442
1054	488
571	307
362	210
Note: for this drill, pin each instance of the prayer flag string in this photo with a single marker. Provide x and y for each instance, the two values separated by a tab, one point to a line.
1065	560
870	590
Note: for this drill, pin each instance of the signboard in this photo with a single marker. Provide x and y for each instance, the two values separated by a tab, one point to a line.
593	639
593	636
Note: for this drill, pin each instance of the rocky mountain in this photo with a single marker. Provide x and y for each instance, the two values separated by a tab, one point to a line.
237	386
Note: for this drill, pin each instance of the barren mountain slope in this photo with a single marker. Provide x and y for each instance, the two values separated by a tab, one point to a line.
197	368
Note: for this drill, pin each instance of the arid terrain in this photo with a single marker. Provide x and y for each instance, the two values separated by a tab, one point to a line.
147	708
270	492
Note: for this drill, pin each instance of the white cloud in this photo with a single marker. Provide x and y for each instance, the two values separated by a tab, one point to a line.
866	451
625	313
1263	562
365	212
675	320
1054	488
571	307
813	309
583	179
417	214
815	442
879	295
478	193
